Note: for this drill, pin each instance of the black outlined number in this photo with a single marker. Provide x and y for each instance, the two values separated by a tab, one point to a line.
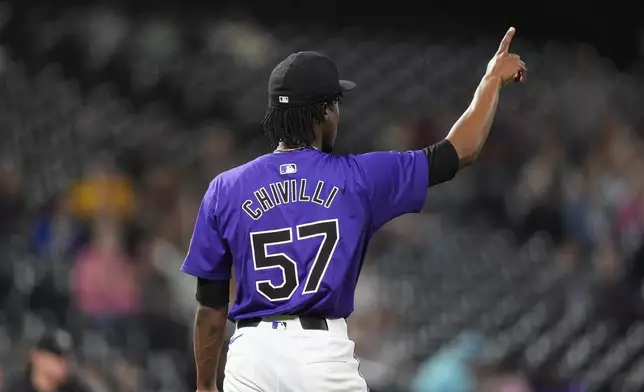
263	259
260	241
329	232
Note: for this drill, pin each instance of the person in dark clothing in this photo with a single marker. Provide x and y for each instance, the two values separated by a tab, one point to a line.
48	367
635	275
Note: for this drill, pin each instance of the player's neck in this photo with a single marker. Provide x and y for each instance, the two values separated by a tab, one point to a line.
283	147
43	383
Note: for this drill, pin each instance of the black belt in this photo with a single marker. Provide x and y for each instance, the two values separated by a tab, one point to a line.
315	323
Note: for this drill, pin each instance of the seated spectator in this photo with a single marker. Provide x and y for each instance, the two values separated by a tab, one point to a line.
500	377
48	369
449	369
612	296
55	232
105	282
12	200
104	190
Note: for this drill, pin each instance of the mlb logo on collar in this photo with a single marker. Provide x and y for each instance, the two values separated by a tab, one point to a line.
283	99
288	168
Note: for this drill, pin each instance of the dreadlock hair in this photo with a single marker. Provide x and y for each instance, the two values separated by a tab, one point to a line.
293	125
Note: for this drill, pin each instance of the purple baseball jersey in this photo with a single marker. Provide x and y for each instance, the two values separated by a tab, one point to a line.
295	227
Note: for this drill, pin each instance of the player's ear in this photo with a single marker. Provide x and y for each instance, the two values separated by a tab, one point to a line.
331	108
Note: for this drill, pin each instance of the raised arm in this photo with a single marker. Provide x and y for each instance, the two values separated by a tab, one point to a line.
396	183
469	133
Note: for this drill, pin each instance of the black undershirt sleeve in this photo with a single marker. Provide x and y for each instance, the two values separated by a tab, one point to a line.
443	162
213	293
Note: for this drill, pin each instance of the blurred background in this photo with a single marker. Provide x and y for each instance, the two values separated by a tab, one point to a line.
522	274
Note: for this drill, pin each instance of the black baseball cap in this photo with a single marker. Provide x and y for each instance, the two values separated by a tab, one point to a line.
57	342
304	78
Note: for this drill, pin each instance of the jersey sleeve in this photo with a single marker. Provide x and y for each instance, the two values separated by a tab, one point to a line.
208	256
395	183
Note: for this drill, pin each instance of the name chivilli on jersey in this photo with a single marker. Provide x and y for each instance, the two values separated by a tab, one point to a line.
288	191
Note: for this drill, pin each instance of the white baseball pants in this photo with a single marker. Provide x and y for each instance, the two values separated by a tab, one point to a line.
279	356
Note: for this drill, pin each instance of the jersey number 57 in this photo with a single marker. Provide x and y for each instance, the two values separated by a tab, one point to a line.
263	260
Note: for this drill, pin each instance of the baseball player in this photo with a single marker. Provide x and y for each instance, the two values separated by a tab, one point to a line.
295	225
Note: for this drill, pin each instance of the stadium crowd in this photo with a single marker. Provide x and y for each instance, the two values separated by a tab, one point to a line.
112	127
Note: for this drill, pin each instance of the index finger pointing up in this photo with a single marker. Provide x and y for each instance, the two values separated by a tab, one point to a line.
505	42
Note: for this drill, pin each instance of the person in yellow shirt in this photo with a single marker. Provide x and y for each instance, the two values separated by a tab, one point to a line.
104	190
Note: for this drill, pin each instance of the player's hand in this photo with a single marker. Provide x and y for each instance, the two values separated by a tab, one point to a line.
507	66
